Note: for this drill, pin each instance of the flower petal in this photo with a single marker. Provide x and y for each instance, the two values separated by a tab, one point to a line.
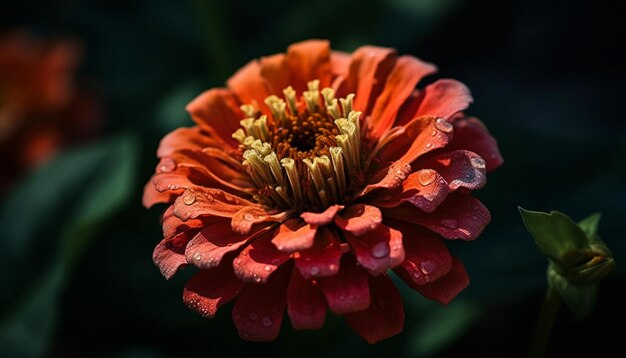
368	70
323	258
460	168
445	289
471	134
248	84
248	216
169	254
217	112
275	72
258	313
427	257
444	98
257	261
208	247
307	61
348	290
151	196
407	72
323	218
199	201
459	217
208	290
359	219
192	138
340	63
378	250
294	235
306	305
384	317
173	226
425	189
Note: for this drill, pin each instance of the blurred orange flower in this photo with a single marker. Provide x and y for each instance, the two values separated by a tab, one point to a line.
313	174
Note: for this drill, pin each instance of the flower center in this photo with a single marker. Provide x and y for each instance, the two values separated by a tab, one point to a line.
307	154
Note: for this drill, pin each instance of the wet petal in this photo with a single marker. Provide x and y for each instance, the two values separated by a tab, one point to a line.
208	247
307	61
471	134
368	70
459	217
378	250
257	261
306	305
200	201
217	112
323	218
460	169
208	290
359	219
151	196
348	290
384	317
407	72
169	254
444	98
445	289
173	226
427	257
323	258
248	84
425	189
258	313
247	217
294	235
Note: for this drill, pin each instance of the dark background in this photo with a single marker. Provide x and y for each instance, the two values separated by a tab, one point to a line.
547	78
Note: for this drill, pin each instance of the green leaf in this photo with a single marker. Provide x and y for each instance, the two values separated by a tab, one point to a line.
590	225
555	234
579	298
90	184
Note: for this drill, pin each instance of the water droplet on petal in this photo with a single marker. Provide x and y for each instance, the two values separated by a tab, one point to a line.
443	125
475	218
314	270
451	224
344	247
267	268
167	165
248	216
189	199
427	176
434	133
429	145
427	267
197	256
380	250
267	322
253	316
332	267
426	278
237	261
478	162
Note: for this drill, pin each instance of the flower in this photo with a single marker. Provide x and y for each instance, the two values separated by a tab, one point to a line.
41	108
312	175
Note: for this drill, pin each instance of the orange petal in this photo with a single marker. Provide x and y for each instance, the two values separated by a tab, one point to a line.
276	73
425	189
407	72
209	246
359	219
445	289
217	112
208	290
192	138
444	98
169	254
151	196
378	250
471	134
294	235
323	218
307	61
248	84
200	202
257	261
323	258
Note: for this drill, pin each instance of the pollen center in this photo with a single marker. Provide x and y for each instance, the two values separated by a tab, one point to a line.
304	154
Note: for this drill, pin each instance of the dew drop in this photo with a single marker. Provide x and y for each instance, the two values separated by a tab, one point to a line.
478	162
429	145
248	216
167	165
237	261
380	250
426	278
443	125
332	267
344	247
427	176
434	133
253	316
314	270
475	218
189	199
267	268
427	267
451	224
267	322
197	256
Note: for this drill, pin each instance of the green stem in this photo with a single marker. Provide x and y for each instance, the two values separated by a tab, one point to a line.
543	329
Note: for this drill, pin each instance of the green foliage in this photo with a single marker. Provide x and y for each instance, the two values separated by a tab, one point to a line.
92	183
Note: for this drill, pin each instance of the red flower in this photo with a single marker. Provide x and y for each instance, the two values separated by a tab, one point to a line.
288	197
41	109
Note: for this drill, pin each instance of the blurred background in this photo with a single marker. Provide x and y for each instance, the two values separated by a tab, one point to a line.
87	89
